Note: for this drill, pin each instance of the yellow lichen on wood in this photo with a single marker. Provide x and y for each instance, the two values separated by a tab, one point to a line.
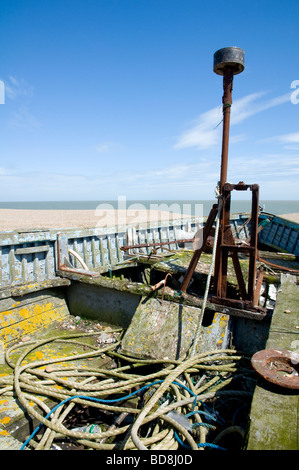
30	315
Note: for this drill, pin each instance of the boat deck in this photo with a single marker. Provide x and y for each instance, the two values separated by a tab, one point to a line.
29	313
275	410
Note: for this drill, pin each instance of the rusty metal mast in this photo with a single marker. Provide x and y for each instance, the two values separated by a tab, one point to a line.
229	62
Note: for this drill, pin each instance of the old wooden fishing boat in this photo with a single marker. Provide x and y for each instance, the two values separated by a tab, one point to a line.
137	338
55	281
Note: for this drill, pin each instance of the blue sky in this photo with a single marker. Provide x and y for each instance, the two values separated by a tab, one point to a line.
118	97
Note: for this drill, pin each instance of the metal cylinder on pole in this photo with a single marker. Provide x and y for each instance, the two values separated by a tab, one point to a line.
228	62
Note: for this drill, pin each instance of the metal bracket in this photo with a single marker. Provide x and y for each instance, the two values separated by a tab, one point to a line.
226	246
62	258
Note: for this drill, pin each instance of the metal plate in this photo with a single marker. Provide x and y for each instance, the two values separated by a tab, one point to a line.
280	367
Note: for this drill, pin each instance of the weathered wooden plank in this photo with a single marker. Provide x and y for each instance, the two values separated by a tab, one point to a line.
17	291
18	310
12	267
102	252
32	249
32	324
93	253
32	313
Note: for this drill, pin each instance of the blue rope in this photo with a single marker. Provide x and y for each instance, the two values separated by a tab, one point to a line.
211	446
201	444
99	400
177	293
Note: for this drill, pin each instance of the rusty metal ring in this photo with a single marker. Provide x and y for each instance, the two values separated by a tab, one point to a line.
278	366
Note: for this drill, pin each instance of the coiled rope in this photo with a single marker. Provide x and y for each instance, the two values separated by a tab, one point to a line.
172	384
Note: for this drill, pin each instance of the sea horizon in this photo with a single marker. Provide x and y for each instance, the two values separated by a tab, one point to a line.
192	207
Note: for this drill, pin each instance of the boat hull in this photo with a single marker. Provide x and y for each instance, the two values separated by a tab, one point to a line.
279	234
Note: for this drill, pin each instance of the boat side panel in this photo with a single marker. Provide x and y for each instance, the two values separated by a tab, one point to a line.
280	234
27	257
103	304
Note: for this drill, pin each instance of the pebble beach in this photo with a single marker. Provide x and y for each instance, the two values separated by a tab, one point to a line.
18	219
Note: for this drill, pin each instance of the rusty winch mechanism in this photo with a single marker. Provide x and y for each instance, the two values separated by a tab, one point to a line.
228	62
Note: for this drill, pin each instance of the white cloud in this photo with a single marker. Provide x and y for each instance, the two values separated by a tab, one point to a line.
182	181
14	88
248	106
289	138
237	138
206	132
267	167
289	141
23	118
245	107
20	93
103	147
169	179
107	147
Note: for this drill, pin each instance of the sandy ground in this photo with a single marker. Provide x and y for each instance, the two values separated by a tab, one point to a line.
14	219
291	217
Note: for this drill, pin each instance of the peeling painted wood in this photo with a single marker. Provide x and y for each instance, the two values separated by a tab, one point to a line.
33	287
35	312
33	249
